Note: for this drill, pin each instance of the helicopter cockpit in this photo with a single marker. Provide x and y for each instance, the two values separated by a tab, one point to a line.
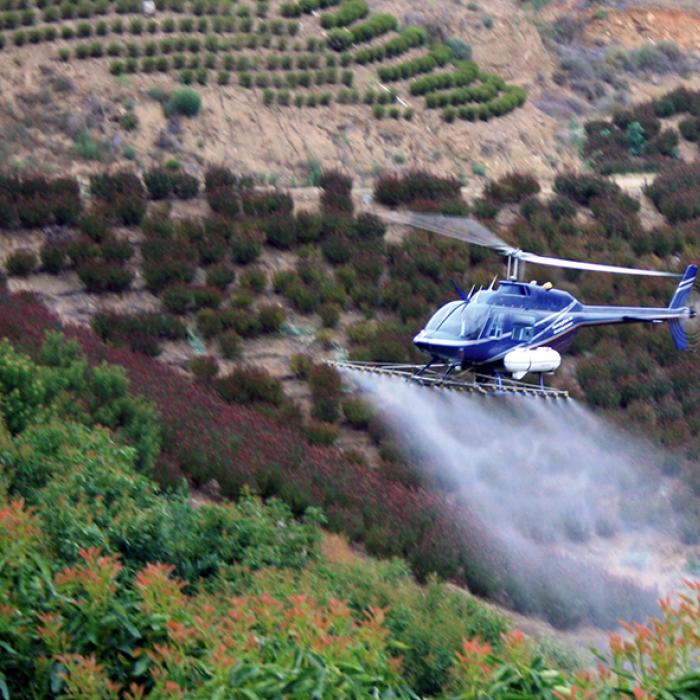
458	319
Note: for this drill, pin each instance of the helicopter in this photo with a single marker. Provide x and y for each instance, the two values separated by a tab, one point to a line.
502	333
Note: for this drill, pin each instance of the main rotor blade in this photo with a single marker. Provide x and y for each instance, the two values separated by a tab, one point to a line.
461	228
594	267
471	231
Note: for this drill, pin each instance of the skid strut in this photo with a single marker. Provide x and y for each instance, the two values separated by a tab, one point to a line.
447	376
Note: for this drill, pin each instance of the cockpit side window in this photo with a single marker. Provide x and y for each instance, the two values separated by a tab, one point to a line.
496	325
523	333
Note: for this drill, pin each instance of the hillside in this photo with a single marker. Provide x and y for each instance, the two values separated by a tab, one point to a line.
54	103
189	227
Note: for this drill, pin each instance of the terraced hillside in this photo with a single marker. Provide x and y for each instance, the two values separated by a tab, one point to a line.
283	85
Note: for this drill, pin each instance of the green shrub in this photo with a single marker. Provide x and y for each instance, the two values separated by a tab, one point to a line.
271	317
209	323
240	318
102	276
301	365
325	385
53	257
220	275
20	263
330	314
158	182
116	250
184	185
230	345
357	412
177	299
206	297
253	279
248	385
321	433
184	101
349	12
281	231
303	298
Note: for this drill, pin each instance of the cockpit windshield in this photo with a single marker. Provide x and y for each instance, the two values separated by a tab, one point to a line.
459	319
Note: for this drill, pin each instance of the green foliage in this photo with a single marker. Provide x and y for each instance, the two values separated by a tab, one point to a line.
20	263
249	385
349	12
321	433
635	138
184	101
357	412
271	317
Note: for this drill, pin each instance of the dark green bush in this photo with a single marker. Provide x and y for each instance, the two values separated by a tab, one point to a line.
184	186
208	320
101	276
141	332
177	299
204	368
281	231
246	246
271	317
321	433
53	257
21	263
253	279
159	183
159	274
184	101
220	275
330	314
248	385
116	250
204	297
240	319
349	12
326	386
357	412
512	188
308	226
230	345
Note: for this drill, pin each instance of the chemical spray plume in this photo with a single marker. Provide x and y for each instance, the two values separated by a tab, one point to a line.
578	509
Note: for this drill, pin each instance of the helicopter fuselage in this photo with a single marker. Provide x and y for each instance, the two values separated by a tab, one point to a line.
479	331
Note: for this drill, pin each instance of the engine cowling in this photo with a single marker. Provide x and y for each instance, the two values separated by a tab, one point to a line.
523	360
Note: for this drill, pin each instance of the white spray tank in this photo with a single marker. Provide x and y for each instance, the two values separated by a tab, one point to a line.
523	360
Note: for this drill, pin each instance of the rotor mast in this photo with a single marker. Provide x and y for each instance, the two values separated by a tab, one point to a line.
514	266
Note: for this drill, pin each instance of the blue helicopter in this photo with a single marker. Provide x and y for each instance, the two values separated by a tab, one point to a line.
517	328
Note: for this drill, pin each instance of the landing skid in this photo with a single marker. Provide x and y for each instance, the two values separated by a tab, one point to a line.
445	376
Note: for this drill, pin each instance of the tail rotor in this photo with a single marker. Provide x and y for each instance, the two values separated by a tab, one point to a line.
691	325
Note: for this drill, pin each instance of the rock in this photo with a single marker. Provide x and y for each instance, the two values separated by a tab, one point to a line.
74	123
166	142
117	140
212	489
57	234
414	18
148	8
173	126
95	111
